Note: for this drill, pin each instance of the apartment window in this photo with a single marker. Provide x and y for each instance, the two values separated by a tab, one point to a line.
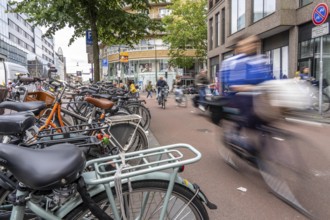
211	33
262	8
210	4
164	12
13	38
217	29
237	15
11	24
305	2
223	23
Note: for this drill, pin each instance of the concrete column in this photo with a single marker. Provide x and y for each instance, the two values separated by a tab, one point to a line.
248	13
293	50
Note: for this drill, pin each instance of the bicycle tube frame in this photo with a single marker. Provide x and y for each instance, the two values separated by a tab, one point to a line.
56	108
73	114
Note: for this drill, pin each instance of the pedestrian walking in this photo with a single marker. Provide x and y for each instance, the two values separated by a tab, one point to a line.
149	89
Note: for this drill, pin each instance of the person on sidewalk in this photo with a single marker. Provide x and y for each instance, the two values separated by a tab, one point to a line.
132	88
202	82
149	89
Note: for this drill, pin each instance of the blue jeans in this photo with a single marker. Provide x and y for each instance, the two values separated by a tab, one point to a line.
202	94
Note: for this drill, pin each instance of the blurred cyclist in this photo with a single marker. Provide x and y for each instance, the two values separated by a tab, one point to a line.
161	83
177	86
240	74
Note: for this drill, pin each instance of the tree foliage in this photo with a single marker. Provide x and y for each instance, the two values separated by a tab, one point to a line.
110	21
186	28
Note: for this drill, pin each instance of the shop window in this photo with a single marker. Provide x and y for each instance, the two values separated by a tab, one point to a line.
306	49
262	8
237	15
279	58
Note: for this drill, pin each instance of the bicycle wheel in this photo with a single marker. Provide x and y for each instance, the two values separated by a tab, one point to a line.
325	105
283	167
141	110
184	101
163	102
127	137
154	192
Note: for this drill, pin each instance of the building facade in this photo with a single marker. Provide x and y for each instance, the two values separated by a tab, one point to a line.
60	64
22	43
147	61
284	26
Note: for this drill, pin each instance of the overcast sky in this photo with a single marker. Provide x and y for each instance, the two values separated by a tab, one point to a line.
75	53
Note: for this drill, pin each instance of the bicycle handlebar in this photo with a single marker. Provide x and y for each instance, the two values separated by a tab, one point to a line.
63	83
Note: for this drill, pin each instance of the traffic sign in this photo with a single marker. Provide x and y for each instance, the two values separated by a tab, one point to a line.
89	39
320	14
104	62
320	30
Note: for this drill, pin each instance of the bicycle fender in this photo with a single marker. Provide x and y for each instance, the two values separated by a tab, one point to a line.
194	188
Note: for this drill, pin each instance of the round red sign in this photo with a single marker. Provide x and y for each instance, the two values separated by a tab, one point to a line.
320	14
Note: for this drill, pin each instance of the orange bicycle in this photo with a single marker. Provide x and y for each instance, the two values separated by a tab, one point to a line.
124	131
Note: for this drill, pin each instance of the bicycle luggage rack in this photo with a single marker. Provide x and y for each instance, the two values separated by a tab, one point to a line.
66	131
152	160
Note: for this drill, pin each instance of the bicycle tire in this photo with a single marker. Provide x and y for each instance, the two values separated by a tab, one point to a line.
163	101
325	102
122	133
180	196
283	168
184	101
139	109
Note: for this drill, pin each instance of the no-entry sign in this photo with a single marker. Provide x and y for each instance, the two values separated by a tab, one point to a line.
320	14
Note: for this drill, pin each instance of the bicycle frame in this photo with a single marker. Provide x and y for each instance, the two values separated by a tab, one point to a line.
150	171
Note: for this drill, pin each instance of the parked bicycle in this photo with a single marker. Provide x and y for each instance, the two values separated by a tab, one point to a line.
52	185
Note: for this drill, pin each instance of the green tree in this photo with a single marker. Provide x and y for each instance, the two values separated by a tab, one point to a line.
186	28
110	21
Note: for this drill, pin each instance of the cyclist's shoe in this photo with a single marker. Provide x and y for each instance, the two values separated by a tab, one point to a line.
201	108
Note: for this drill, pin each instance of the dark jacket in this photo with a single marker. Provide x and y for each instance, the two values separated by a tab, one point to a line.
161	83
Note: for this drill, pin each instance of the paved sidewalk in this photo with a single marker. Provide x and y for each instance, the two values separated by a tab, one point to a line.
313	116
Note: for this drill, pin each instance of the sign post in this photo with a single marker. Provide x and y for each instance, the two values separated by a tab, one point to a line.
319	16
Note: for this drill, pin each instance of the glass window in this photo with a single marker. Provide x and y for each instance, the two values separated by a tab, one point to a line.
223	25
279	58
285	62
217	29
306	48
305	2
276	60
164	12
262	8
237	15
210	33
